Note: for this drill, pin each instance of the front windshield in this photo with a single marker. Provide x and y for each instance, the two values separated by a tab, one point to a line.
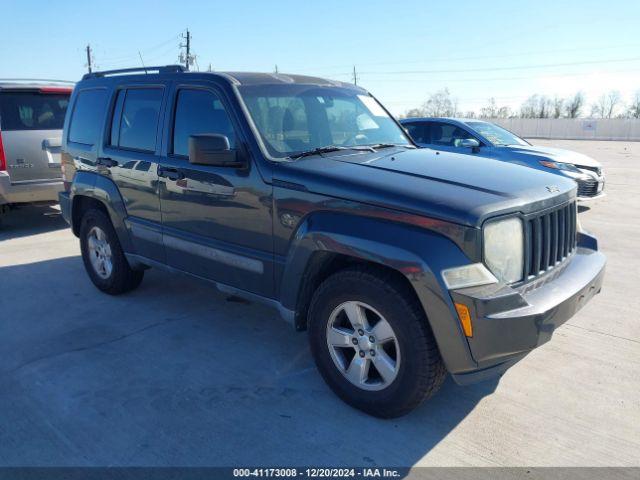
495	134
298	118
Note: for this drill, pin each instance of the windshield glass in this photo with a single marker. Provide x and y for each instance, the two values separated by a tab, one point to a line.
495	134
297	118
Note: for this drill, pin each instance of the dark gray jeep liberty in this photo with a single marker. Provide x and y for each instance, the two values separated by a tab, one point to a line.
303	193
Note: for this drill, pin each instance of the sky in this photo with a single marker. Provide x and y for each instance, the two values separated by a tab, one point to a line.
402	51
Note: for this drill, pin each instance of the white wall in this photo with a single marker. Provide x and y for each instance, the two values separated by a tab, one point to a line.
570	128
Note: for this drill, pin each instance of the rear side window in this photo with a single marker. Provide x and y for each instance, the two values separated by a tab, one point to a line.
137	126
32	110
88	115
199	111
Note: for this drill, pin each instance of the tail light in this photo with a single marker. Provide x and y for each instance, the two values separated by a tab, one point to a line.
57	90
3	159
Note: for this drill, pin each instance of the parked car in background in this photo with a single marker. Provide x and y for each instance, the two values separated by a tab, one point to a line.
486	139
31	118
305	194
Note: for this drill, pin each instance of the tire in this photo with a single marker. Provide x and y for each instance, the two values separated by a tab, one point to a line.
418	370
117	279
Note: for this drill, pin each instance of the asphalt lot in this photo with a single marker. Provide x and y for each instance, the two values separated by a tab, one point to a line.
176	373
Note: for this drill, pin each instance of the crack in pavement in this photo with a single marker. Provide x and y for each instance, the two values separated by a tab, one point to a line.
603	333
90	347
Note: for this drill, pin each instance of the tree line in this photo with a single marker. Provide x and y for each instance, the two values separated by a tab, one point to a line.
608	105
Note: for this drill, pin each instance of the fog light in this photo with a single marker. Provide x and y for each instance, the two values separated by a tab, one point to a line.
465	319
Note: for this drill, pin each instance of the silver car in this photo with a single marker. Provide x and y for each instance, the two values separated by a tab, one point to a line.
31	119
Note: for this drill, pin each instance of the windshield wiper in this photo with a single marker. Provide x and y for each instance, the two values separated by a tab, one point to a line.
378	146
329	149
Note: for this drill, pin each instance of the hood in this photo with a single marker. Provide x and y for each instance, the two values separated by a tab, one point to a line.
556	155
448	186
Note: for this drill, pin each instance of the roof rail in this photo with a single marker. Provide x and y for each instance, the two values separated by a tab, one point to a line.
36	80
160	69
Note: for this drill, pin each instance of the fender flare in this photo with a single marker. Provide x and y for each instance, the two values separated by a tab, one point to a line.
104	190
416	253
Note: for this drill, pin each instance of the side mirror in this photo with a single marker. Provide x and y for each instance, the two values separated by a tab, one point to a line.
212	149
471	143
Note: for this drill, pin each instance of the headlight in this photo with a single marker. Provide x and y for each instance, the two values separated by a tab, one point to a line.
569	167
504	249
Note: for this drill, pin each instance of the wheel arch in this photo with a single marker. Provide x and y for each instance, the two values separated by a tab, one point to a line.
91	190
328	242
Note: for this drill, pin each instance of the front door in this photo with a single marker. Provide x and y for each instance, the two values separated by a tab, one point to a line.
216	220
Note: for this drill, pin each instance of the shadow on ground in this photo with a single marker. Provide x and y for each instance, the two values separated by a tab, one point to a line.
30	220
176	374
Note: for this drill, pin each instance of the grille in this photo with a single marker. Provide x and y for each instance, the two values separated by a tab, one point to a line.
587	188
550	238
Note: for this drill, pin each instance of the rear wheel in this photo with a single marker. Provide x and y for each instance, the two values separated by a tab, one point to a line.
372	344
103	257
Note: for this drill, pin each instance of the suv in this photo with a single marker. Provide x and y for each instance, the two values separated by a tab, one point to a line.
307	195
31	117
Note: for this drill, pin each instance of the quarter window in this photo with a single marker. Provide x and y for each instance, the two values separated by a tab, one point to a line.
199	111
137	127
88	115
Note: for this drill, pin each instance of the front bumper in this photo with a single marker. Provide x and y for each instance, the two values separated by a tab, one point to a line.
28	192
510	322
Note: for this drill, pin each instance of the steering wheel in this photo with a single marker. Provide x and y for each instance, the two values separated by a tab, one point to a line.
356	139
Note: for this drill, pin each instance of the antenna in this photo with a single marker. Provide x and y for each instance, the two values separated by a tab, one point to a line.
142	61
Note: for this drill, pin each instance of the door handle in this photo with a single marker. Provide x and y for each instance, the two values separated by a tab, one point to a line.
106	162
170	173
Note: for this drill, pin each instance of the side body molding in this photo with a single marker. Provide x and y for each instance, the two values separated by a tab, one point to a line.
418	254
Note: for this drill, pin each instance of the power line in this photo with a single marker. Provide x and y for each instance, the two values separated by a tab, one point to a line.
448	59
496	79
493	69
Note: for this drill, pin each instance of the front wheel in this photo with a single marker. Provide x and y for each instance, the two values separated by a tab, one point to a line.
372	343
103	257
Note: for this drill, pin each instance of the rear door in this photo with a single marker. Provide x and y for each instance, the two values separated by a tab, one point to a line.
31	124
131	158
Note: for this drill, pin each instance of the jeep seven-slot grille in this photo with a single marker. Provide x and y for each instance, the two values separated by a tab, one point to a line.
550	238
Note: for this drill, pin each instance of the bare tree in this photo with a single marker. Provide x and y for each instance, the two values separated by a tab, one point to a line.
536	106
558	104
440	104
414	112
607	104
573	106
634	107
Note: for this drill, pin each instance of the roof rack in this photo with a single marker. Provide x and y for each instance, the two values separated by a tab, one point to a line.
123	71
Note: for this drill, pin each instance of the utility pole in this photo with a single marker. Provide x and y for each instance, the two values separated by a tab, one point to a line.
89	57
187	46
355	76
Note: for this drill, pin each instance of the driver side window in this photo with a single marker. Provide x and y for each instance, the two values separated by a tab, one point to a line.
448	135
